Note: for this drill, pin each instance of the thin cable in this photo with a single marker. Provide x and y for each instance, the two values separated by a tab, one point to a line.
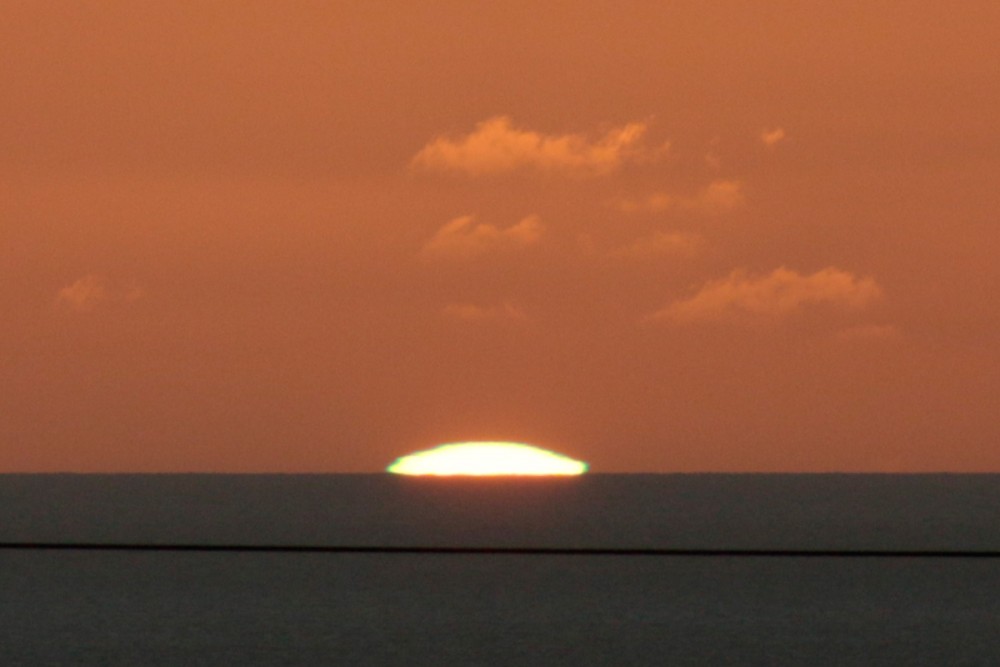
499	551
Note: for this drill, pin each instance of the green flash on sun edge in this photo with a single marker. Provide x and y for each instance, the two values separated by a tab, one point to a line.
486	459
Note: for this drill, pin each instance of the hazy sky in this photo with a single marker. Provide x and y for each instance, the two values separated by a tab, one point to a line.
312	236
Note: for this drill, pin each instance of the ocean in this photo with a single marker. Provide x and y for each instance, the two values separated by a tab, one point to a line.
749	603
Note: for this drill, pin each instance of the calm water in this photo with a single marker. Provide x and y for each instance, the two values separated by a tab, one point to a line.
111	607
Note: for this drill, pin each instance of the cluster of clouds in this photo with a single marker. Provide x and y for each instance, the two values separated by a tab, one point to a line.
92	292
497	146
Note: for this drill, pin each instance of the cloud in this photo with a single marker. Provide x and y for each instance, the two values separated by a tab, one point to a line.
865	332
653	203
716	198
660	244
467	312
92	291
495	146
712	157
462	238
775	295
772	137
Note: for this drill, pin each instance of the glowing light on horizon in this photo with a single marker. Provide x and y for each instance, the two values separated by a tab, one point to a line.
486	459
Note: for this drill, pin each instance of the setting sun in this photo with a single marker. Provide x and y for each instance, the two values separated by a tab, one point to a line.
486	458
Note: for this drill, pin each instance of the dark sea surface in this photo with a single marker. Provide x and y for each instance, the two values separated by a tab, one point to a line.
121	607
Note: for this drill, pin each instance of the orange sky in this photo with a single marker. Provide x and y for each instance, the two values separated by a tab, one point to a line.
686	236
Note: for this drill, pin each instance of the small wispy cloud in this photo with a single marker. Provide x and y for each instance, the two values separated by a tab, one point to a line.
771	296
93	291
717	198
656	202
872	332
463	238
773	137
660	244
712	157
496	145
468	312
